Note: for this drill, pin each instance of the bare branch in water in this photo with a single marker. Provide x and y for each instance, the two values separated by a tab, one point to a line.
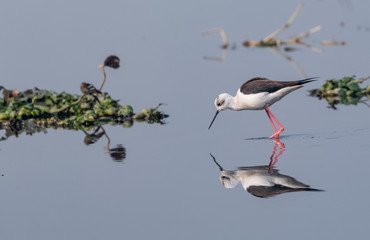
290	21
225	43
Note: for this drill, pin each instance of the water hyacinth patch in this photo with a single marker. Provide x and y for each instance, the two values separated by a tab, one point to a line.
346	91
71	110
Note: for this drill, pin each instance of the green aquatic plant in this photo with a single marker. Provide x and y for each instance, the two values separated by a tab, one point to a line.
149	115
346	91
71	110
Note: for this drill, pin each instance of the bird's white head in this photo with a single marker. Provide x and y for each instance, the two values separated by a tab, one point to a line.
222	102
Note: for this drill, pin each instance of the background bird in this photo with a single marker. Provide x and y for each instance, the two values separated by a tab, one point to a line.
89	89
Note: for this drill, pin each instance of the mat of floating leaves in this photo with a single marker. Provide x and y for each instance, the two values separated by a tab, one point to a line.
346	91
64	109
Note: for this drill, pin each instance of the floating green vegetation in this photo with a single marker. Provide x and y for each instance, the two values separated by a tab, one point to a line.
345	91
71	111
64	110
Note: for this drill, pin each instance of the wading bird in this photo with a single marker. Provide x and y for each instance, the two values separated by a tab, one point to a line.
258	94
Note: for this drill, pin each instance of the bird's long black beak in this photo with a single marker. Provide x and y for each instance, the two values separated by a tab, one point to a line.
213	119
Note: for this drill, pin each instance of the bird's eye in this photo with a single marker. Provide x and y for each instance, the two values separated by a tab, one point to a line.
218	104
224	177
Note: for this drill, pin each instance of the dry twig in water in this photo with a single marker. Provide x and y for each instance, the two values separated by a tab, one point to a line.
271	39
225	43
290	21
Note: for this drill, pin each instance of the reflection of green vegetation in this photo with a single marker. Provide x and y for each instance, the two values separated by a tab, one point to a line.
71	111
345	91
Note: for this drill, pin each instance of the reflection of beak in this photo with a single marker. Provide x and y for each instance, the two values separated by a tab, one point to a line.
213	119
214	159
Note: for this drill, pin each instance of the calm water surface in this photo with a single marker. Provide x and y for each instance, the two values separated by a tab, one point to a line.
53	186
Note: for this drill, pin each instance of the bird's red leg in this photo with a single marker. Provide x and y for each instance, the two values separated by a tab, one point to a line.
272	123
276	135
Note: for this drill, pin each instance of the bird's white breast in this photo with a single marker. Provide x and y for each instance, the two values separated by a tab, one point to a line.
256	101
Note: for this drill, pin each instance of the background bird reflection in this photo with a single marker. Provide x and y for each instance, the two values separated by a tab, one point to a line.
117	153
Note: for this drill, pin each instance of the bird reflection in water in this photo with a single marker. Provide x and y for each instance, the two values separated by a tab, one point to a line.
263	181
117	153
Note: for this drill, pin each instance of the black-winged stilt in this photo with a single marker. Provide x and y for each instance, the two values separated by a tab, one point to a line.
258	94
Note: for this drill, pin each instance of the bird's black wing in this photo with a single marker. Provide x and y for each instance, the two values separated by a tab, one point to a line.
258	85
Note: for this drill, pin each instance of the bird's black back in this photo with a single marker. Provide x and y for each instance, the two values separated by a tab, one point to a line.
258	85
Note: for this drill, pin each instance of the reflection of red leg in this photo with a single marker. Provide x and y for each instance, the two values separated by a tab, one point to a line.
282	149
269	113
274	159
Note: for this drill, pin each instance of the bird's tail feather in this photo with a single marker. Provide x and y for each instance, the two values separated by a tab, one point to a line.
307	80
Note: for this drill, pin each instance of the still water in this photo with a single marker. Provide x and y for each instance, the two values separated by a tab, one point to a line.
167	186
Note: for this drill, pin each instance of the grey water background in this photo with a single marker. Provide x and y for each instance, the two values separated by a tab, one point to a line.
55	187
